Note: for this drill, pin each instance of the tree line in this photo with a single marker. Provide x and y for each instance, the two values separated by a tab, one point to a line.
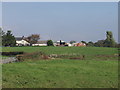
108	42
8	39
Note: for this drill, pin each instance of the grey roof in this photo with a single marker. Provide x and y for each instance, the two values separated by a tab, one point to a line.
42	42
18	38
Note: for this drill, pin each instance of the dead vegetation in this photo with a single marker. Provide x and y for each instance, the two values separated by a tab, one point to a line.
82	57
68	56
43	56
32	56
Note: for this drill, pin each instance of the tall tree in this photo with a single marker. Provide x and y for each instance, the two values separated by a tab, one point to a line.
8	39
32	39
109	42
1	34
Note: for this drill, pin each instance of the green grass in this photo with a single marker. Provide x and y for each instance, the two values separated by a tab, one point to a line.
61	74
93	72
89	52
64	50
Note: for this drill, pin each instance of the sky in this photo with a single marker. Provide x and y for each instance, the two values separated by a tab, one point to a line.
87	21
0	13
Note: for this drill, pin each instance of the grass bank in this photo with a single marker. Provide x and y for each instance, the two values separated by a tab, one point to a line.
99	69
61	74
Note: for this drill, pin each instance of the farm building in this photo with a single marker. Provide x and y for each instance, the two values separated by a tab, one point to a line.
21	42
62	43
59	43
40	43
79	44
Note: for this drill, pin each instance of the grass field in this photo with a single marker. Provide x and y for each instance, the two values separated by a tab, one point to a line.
63	73
64	50
91	53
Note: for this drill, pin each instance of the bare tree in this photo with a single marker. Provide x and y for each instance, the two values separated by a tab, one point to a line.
32	39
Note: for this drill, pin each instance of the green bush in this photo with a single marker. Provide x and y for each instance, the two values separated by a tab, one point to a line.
50	43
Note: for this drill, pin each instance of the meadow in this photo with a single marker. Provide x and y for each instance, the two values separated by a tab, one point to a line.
64	50
99	69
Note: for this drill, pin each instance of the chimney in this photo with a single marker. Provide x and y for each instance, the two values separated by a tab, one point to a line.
22	37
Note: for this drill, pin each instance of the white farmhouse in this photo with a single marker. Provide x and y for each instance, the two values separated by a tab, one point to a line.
21	42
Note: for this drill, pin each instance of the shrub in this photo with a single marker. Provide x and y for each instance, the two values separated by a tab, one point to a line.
50	43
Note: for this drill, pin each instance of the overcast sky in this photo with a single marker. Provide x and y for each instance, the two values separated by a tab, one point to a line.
67	21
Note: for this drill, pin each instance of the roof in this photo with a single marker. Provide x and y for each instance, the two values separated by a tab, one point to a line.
41	42
19	38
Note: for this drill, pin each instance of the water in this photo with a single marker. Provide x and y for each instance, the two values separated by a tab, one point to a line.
9	60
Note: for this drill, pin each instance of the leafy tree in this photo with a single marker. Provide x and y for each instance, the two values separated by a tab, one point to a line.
71	42
1	34
50	43
90	43
8	39
99	43
83	42
109	42
32	39
118	45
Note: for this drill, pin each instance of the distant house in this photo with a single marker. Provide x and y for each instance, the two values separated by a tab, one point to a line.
62	43
21	42
59	43
69	44
79	44
40	43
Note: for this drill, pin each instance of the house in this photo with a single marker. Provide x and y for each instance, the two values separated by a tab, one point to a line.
62	43
59	43
40	43
69	44
21	42
79	44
